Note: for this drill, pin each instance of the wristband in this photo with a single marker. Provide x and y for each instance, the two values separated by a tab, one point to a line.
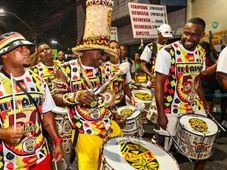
57	140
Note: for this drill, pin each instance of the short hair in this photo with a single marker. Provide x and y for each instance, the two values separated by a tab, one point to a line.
198	21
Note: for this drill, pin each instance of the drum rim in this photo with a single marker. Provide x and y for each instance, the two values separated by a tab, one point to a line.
173	158
194	132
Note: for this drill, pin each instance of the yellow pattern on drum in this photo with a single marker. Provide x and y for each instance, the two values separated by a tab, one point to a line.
139	157
143	96
126	112
198	125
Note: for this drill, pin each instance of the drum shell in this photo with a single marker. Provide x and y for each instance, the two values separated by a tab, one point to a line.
134	123
195	146
147	103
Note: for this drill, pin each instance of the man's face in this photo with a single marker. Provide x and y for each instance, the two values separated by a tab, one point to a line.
19	57
115	46
45	53
123	52
162	40
97	57
191	35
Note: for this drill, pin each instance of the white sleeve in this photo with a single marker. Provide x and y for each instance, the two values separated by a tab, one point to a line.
48	103
146	54
128	78
222	61
163	62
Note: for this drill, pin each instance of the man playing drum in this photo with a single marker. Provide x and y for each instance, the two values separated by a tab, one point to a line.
56	79
177	85
87	75
26	105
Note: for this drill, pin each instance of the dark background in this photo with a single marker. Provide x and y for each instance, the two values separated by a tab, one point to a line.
48	20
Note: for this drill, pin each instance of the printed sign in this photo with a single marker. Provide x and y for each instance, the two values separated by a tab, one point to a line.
113	33
146	18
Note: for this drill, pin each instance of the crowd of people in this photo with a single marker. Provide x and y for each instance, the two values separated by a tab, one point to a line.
90	88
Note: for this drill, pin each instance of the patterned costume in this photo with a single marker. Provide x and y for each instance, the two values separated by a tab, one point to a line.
183	68
49	74
118	83
32	149
94	124
149	54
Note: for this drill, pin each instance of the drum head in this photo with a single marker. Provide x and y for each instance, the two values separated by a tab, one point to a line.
198	125
131	154
143	96
128	111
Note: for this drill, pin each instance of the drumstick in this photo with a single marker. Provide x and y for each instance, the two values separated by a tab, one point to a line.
55	164
178	146
123	69
14	104
216	121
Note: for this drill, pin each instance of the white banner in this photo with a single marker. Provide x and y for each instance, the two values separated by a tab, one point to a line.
113	33
146	18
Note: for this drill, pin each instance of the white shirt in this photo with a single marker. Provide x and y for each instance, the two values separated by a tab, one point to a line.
222	61
146	54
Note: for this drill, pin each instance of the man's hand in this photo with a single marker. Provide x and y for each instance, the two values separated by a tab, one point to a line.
58	152
11	135
86	97
162	121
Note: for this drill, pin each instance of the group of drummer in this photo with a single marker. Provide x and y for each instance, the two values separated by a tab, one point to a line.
89	90
94	85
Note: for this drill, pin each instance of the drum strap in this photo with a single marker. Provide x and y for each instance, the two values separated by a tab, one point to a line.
73	147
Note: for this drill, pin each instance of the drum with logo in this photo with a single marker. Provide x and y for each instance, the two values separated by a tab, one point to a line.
145	97
131	154
64	130
134	124
196	136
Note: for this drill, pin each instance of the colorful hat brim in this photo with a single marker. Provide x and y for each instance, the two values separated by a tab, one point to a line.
11	46
85	47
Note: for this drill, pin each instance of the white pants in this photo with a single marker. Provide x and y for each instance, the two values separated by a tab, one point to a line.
170	130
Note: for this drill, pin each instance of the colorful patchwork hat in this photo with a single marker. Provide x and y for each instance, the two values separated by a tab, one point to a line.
12	40
97	27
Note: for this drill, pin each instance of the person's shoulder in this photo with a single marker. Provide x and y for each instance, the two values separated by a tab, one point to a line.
34	74
151	44
169	47
224	51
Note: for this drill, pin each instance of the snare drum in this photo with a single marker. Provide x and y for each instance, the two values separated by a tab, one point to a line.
196	136
134	124
143	96
64	129
132	153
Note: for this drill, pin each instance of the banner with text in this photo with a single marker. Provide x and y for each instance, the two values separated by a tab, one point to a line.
146	18
113	33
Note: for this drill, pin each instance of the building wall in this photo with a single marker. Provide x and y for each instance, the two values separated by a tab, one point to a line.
80	20
214	13
177	20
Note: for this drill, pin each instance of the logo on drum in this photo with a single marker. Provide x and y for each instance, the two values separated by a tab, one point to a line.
28	145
